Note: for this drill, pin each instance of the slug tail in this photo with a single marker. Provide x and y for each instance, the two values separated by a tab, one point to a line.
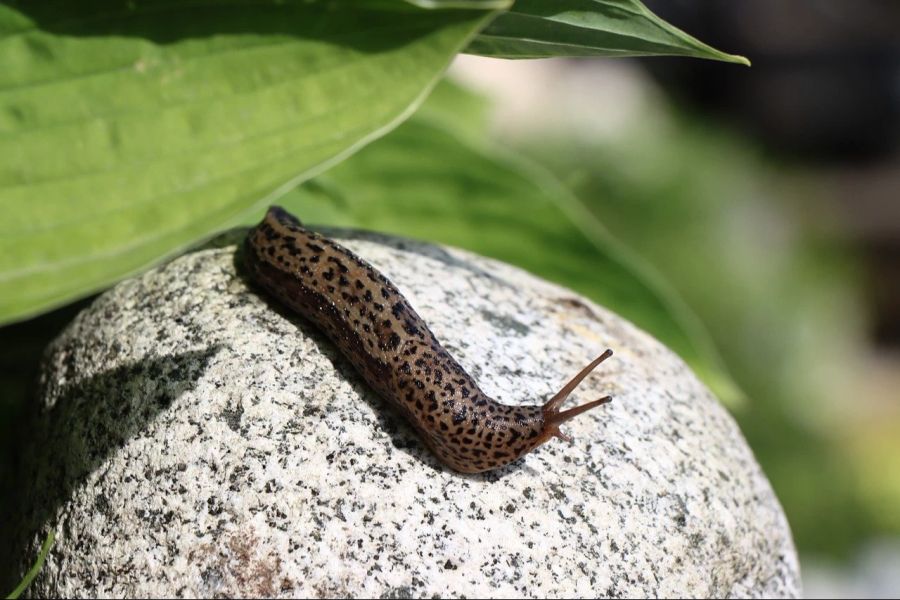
553	417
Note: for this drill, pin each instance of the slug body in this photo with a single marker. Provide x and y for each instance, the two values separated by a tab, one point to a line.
394	350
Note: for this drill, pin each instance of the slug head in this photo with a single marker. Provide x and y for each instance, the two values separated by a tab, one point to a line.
517	430
553	417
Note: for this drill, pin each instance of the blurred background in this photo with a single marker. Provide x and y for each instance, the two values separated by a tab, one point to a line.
770	198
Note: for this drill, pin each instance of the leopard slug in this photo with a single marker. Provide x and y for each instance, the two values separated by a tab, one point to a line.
396	353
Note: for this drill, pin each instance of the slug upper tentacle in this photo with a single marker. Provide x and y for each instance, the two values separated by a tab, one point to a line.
553	418
375	327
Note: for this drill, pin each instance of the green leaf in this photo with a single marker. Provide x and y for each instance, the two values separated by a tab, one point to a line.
35	568
544	28
129	130
427	182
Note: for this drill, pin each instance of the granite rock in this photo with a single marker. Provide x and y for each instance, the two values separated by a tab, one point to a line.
197	440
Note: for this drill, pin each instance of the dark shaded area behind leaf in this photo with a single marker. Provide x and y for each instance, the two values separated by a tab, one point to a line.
169	22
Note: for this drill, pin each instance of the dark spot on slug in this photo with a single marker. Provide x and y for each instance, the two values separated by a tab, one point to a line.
394	341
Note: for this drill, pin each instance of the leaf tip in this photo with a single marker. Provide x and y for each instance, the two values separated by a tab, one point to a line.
741	60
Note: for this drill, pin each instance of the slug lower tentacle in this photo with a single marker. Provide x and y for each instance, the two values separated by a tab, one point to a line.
394	350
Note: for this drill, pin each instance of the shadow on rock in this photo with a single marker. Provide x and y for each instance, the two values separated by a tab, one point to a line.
88	421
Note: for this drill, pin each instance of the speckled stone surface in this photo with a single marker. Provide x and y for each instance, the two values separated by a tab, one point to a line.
198	441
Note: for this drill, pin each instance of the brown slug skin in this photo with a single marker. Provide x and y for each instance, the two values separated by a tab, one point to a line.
388	343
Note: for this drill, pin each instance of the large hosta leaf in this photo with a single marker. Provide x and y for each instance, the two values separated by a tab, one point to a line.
426	181
129	130
542	28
